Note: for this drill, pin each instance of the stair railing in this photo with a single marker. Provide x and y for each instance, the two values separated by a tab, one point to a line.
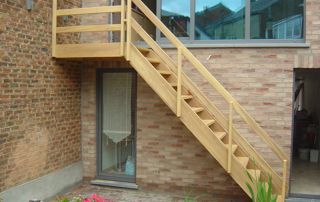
234	105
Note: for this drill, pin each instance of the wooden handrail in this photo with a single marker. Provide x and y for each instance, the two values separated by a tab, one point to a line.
212	109
211	79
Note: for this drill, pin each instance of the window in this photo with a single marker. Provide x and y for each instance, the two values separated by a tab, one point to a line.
219	19
176	16
203	20
276	19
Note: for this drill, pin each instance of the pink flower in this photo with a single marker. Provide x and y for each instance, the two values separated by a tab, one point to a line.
86	200
97	198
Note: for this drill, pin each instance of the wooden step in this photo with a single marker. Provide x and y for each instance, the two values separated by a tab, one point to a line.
209	122
197	109
220	135
174	84
187	97
244	161
144	50
165	72
234	147
153	60
254	173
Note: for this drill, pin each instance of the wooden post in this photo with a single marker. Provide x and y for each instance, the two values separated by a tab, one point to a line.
129	14
230	136
284	180
122	32
179	83
54	27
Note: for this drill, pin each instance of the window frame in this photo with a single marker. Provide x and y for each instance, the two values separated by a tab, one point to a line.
247	26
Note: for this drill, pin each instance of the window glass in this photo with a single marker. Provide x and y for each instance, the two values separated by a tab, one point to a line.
176	16
277	19
219	19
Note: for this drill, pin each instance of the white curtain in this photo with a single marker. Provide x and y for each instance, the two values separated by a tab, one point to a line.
117	106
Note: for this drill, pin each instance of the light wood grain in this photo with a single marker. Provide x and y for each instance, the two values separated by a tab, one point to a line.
91	10
54	25
98	50
89	28
230	136
208	76
129	28
179	89
122	32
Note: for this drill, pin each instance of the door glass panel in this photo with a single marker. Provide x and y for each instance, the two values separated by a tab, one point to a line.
176	16
117	142
219	19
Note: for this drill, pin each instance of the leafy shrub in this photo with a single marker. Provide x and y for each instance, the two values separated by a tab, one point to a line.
263	189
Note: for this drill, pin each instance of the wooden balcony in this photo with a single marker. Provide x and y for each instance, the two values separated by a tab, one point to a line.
86	49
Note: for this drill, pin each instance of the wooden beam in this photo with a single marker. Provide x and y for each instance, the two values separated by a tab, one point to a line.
179	86
123	28
89	28
54	26
91	10
91	50
129	28
230	136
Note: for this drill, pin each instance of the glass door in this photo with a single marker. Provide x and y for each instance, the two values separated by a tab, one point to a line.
116	128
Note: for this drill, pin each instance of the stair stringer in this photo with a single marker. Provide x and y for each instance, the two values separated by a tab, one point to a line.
188	117
213	110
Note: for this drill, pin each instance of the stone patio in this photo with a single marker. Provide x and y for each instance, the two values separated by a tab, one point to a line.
127	195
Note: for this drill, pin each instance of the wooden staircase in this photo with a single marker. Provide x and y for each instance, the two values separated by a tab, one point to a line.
199	114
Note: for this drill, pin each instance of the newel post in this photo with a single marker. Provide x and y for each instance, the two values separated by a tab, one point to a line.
54	27
230	135
122	32
129	15
284	179
179	82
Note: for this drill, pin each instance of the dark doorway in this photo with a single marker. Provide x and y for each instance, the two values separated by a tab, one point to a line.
116	124
305	175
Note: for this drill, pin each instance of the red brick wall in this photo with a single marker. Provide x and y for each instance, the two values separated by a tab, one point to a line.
261	79
168	155
39	97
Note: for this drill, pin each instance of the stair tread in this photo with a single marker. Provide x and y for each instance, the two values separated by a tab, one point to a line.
187	97
209	122
220	135
174	84
153	60
145	50
165	72
197	109
234	147
244	161
254	173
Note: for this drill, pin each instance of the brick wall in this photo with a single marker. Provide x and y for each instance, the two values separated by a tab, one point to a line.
261	79
39	97
168	155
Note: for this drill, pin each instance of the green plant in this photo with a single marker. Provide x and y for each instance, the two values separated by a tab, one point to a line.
263	189
189	199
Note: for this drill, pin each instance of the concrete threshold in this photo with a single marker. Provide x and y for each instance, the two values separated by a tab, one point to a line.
117	184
